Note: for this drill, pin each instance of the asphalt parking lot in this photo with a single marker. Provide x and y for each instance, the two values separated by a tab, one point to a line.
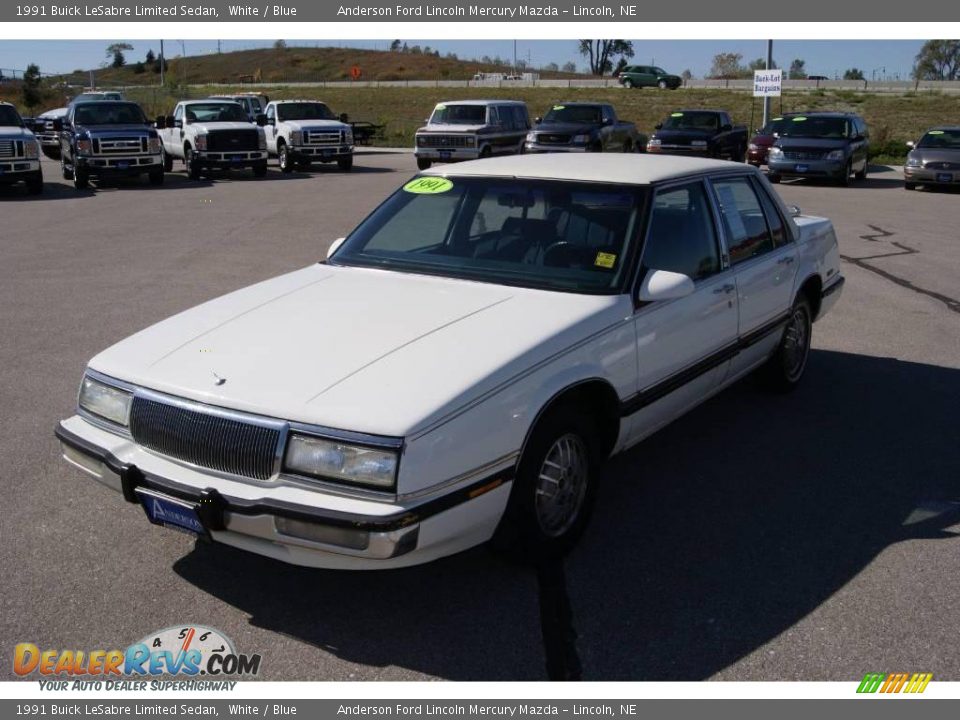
808	537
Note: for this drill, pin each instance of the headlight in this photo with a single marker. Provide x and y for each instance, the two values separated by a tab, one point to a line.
154	145
262	140
471	141
580	139
698	143
84	147
296	137
105	401
655	142
339	461
32	150
753	146
421	140
914	162
201	142
835	155
531	137
348	136
775	153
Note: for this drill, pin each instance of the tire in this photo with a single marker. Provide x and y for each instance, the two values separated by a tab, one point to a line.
64	170
193	167
844	180
260	169
774	178
345	164
628	146
486	152
536	525
167	160
909	186
423	163
862	175
156	177
662	85
784	370
284	159
35	183
628	83
81	180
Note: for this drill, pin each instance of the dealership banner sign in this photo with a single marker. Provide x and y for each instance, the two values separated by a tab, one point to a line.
767	83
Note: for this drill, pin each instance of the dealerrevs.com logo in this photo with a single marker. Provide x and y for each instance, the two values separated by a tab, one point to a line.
182	650
888	683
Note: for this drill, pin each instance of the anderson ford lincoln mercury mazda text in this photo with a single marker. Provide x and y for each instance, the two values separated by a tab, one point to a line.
462	363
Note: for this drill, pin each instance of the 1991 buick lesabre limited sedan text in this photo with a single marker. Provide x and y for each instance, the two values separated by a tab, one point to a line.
461	364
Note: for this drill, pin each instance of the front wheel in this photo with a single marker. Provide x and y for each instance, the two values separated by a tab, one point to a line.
190	161
909	186
662	85
284	159
862	175
423	163
628	83
167	160
628	146
35	183
785	367
81	180
553	491
345	164
67	172
844	180
774	178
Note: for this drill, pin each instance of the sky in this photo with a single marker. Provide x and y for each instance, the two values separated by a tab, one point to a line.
879	59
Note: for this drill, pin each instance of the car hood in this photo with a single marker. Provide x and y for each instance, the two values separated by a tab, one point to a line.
929	155
206	127
811	143
315	125
565	128
442	128
15	133
132	130
353	348
53	114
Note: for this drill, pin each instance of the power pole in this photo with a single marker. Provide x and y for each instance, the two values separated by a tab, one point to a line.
766	99
162	62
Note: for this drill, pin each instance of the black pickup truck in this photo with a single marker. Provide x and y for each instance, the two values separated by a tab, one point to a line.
705	133
583	127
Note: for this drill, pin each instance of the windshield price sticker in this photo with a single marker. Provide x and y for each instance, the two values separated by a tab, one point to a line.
801	118
935	132
605	260
428	186
559	107
676	114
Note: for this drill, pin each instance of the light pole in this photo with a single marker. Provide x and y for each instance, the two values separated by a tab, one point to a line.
162	62
766	98
183	62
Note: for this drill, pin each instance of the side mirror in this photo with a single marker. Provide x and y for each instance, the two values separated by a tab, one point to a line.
794	210
726	128
169	121
261	120
911	144
664	285
658	126
344	118
607	121
334	246
161	122
537	120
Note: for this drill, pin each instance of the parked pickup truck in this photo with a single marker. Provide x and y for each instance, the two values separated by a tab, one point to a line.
19	152
212	135
461	366
707	133
300	132
108	138
583	127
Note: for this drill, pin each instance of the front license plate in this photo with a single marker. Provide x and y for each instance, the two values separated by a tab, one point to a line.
327	152
445	154
944	177
802	168
123	165
171	512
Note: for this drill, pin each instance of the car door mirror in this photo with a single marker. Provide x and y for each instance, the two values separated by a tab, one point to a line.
658	126
334	246
665	285
537	120
261	120
911	144
726	128
161	122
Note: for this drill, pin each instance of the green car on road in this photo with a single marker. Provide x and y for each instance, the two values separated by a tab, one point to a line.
648	76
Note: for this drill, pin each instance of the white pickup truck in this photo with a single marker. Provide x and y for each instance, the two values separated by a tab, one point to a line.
19	152
212	135
463	363
301	132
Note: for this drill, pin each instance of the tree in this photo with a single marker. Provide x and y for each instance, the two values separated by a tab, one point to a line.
621	64
600	53
116	51
139	68
853	74
30	90
551	67
798	70
395	46
569	67
938	60
686	75
160	60
150	59
727	66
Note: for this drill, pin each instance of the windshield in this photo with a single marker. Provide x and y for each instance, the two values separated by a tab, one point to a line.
943	139
216	112
533	233
304	111
109	113
692	121
9	116
774	127
459	115
97	97
817	127
576	114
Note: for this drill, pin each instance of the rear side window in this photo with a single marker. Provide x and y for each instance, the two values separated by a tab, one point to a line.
682	238
746	227
774	221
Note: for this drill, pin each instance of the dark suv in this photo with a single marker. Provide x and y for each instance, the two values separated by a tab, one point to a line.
648	76
830	145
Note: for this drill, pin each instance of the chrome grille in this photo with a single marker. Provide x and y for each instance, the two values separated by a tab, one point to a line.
8	149
804	154
205	439
321	137
942	165
119	146
233	140
442	141
552	139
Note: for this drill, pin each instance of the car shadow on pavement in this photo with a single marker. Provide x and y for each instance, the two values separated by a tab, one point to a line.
709	539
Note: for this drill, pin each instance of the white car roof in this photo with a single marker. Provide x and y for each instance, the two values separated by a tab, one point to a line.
482	102
628	169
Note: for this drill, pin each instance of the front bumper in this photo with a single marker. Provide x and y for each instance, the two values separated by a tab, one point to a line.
227	160
691	150
320	153
757	157
532	147
457	154
808	168
17	169
126	165
926	176
361	534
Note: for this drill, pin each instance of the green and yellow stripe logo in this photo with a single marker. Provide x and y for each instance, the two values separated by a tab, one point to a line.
895	682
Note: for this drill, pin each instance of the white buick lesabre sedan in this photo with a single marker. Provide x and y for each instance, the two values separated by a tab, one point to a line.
461	365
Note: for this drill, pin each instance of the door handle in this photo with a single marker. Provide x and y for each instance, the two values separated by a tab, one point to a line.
727	288
786	260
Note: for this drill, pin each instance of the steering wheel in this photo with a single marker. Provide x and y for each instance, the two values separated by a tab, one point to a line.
556	254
